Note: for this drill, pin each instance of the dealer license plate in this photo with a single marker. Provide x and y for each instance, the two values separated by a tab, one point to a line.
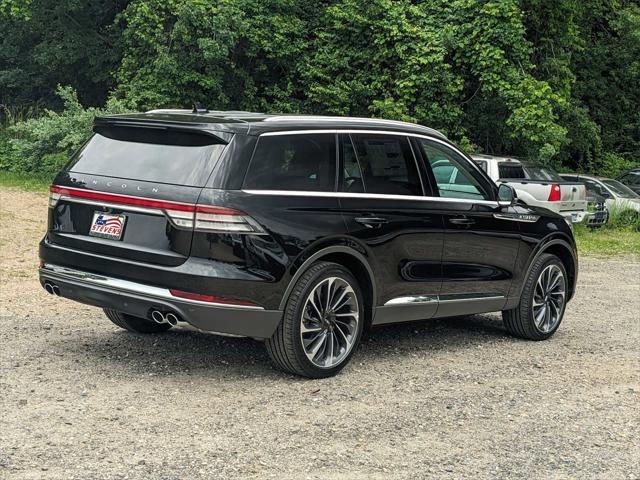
109	226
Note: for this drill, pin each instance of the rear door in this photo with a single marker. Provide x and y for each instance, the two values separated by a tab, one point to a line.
382	200
480	250
131	193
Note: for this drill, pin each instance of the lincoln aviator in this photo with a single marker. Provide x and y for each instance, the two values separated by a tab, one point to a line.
302	231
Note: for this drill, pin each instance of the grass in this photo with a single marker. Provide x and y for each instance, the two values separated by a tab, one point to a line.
607	241
25	182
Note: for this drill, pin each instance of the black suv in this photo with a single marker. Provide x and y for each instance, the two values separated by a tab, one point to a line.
298	230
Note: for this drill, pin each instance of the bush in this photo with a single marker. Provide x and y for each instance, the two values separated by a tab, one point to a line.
41	146
613	165
623	218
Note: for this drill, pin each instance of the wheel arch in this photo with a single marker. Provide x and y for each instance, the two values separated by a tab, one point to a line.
349	258
562	249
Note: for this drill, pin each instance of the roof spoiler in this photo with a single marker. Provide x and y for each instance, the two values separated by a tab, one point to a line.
158	131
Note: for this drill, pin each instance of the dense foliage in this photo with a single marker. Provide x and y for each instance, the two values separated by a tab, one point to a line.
558	81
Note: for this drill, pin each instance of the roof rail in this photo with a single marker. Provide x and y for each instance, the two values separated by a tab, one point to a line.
320	118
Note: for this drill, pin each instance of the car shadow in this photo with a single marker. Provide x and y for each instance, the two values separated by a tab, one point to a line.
186	351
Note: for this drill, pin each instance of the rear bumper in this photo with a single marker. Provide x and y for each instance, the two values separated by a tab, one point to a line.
576	216
140	300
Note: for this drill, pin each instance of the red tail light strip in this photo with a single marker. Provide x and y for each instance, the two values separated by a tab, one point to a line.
141	201
182	215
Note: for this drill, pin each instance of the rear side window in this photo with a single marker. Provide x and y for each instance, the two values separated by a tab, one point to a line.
294	162
510	170
380	164
151	162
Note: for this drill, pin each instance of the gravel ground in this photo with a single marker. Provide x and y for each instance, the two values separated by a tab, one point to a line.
454	398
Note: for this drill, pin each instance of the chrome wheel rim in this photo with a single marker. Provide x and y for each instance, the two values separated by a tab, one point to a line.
549	299
329	323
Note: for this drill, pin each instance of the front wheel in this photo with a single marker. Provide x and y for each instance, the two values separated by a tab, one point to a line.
322	323
542	303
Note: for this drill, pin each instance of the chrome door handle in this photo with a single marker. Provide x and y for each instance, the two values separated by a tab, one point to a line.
371	222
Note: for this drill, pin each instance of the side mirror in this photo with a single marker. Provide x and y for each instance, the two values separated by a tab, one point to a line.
605	194
506	195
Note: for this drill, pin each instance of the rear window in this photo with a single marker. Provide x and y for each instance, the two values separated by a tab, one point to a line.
150	162
304	162
535	172
510	170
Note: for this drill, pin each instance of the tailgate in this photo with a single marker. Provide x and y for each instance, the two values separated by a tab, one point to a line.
144	229
573	196
131	192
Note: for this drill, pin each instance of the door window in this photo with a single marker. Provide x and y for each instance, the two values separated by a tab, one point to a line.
454	177
380	164
294	162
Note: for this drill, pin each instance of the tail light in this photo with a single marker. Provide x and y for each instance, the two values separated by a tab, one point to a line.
554	194
203	218
219	219
54	196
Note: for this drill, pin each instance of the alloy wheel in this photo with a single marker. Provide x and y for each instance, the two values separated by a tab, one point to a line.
329	323
549	299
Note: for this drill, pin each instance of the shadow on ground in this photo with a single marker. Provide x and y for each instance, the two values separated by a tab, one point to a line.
184	350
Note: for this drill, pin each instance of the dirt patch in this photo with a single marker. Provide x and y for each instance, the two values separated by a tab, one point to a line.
454	398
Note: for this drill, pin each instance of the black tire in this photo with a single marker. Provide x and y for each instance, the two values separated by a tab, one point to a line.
519	321
135	324
285	346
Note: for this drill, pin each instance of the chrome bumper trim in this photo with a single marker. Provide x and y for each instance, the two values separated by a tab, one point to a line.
127	286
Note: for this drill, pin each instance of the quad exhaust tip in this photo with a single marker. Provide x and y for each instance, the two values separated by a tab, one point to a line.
160	317
52	289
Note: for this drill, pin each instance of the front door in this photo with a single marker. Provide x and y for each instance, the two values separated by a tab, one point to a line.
382	199
480	247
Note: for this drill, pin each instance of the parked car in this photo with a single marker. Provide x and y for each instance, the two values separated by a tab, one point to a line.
617	195
632	180
537	185
298	230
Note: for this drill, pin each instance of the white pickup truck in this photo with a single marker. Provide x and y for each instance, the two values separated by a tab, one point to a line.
538	185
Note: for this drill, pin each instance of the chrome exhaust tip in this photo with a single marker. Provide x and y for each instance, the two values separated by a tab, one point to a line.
158	317
171	319
52	289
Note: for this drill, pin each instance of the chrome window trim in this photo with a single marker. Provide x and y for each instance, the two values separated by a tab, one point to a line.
130	287
375	195
302	193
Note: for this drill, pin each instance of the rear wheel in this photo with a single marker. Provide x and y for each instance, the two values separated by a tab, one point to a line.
543	301
322	323
135	324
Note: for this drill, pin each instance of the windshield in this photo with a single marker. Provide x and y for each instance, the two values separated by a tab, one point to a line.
631	178
619	189
536	172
